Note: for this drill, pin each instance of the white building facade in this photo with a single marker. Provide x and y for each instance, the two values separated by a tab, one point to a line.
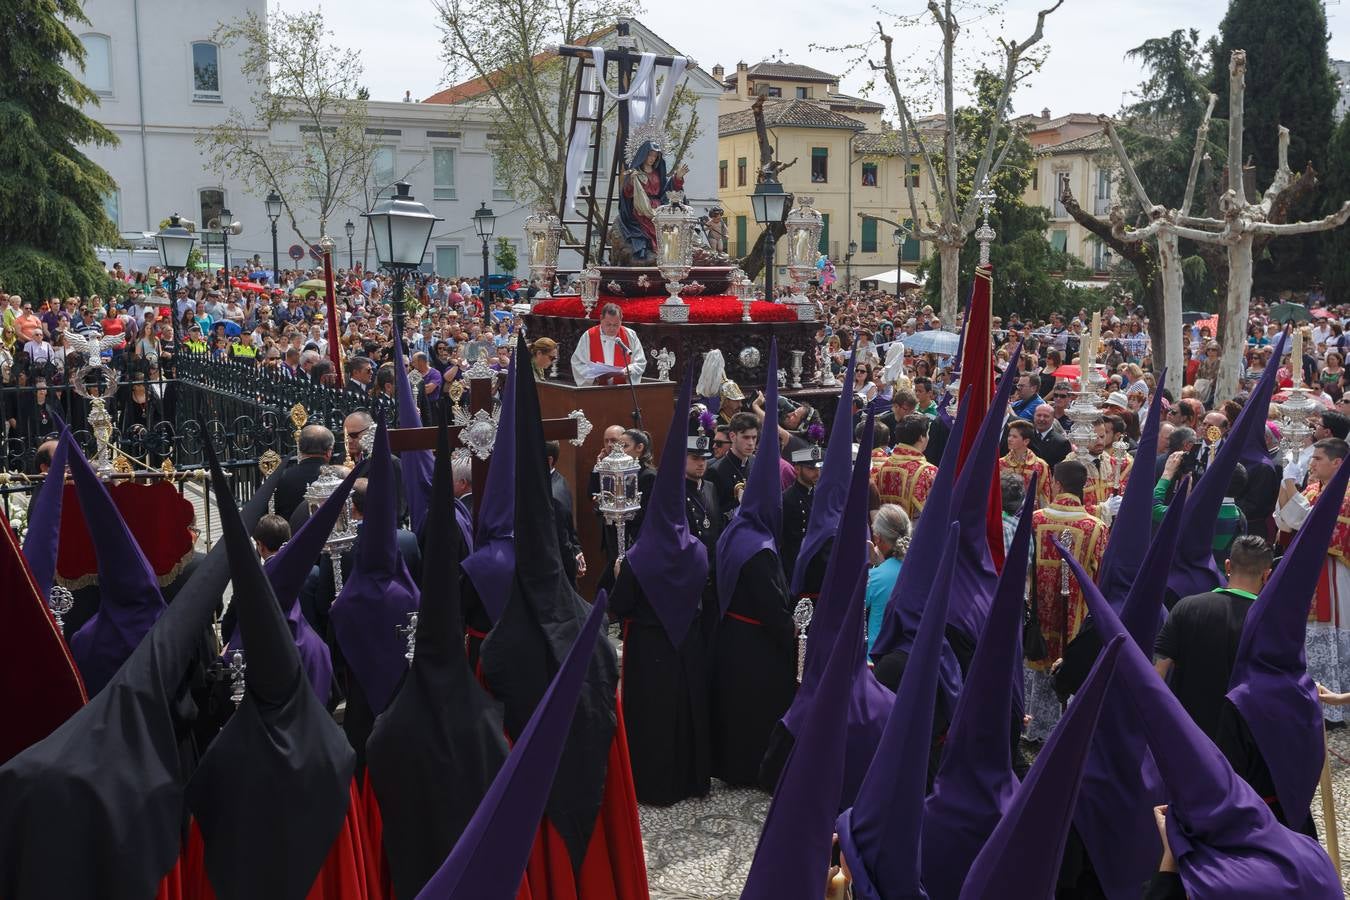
162	81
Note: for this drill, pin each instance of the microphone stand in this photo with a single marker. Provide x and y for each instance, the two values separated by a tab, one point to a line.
637	408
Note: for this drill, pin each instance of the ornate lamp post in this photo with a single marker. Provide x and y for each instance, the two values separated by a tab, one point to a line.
273	203
175	247
350	228
619	498
674	224
227	227
804	224
543	232
484	222
898	238
769	202
848	265
401	228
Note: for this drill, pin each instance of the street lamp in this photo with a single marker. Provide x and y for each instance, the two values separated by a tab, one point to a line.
175	246
274	212
226	222
350	228
770	204
484	221
401	228
848	264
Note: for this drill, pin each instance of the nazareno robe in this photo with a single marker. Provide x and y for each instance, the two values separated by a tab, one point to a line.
665	699
754	669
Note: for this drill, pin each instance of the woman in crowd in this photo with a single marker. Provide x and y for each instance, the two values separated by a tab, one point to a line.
890	540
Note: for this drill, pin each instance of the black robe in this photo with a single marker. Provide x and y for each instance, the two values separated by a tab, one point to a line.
1234	739
665	699
754	669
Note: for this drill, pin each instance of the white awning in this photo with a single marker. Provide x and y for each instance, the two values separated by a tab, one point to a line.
889	277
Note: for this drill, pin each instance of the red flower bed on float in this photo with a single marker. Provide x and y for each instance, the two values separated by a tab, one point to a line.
702	310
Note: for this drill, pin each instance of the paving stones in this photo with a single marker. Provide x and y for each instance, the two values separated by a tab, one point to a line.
700	849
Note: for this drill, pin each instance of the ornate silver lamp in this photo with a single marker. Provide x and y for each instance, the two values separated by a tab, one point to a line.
619	498
543	232
744	291
802	614
675	223
589	287
1296	412
804	224
1085	413
344	530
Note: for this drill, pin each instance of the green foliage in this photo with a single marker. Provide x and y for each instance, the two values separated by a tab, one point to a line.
505	256
1289	79
1022	258
1336	244
51	194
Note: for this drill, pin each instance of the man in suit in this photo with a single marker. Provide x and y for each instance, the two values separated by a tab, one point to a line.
574	562
903	403
316	450
1049	443
360	374
359	430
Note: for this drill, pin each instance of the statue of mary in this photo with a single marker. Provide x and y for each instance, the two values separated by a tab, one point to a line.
644	188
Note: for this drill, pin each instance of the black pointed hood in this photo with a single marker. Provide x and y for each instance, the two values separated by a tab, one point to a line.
538	627
441	728
272	791
120	756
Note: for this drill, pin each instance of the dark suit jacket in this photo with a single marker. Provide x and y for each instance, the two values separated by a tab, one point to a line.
297	478
1052	448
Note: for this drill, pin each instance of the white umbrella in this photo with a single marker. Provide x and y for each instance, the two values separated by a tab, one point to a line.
890	277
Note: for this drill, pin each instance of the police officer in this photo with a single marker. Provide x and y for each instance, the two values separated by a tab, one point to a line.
806	460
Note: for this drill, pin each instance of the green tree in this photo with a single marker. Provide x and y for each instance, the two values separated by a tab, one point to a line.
1336	244
51	194
1022	258
1289	79
505	256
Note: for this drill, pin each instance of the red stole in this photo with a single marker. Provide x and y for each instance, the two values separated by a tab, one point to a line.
597	349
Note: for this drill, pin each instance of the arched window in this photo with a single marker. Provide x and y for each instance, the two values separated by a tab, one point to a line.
97	63
205	72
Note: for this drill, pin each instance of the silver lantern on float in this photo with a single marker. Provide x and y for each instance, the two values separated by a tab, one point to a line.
543	233
675	223
804	225
589	287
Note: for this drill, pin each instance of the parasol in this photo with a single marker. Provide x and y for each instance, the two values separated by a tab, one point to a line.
308	287
943	343
1289	312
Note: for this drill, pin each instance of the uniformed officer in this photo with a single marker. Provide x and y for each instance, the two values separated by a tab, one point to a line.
700	496
729	473
806	462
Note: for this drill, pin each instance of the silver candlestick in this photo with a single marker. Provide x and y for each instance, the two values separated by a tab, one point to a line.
797	356
802	614
237	669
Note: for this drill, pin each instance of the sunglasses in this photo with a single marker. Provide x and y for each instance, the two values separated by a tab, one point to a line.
721	443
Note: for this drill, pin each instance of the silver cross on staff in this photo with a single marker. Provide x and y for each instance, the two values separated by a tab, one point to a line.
409	633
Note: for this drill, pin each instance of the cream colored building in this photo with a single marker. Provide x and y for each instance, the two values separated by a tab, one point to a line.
1073	150
846	158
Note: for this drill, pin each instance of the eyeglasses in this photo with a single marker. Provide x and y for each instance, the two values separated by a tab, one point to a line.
356	435
721	443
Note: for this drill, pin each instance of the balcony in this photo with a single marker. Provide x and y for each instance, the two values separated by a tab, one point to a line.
1101	206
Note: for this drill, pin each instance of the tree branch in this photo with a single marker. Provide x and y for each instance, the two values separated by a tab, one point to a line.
1201	136
1326	223
1135	184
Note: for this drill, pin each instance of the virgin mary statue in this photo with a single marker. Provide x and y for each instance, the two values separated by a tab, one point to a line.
645	184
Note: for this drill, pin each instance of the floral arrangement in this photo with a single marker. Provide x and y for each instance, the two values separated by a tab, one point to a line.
816	433
702	310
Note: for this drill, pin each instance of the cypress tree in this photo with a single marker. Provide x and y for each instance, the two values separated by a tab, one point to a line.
51	194
1289	80
1335	191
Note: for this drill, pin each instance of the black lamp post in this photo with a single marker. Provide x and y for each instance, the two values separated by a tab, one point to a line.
401	228
899	238
175	246
226	223
484	222
848	265
770	203
274	212
350	228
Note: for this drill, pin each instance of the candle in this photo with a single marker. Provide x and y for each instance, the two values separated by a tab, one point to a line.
1296	358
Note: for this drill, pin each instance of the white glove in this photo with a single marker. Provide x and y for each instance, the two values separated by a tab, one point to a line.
1293	472
1112	505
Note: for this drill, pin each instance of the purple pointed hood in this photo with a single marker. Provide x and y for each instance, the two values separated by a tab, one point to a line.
975	577
44	521
287	570
794	847
1226	840
416	463
758	521
379	593
975	780
1028	845
1128	540
493	559
880	835
669	563
129	598
827	501
869	701
490	856
1193	568
1270	685
1120	786
904	608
